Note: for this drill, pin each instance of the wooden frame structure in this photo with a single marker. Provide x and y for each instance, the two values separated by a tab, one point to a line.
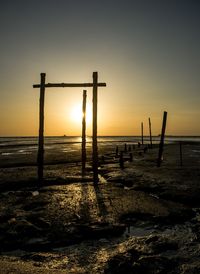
43	86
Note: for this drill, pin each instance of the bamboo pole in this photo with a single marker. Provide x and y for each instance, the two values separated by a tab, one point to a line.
84	131
150	136
162	137
40	157
94	137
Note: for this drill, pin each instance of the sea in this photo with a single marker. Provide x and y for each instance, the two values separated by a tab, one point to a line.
23	150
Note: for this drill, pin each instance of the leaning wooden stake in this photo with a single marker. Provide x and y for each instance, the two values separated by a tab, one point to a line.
160	153
150	136
40	157
84	131
142	133
94	137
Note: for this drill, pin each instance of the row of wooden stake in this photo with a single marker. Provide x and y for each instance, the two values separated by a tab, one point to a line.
95	85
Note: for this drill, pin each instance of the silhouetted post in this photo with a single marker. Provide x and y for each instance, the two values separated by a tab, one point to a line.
84	131
40	157
181	154
121	160
150	133
142	133
131	157
125	147
160	153
94	137
117	151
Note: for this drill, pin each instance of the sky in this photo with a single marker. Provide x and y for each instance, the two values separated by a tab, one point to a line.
146	51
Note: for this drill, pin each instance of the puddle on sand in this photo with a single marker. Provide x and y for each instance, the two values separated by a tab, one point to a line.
138	231
25	152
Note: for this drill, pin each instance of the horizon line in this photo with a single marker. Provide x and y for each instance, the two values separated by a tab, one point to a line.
56	136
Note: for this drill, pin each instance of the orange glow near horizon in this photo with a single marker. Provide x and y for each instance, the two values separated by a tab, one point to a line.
149	66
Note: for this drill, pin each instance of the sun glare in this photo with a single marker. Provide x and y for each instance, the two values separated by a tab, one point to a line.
76	114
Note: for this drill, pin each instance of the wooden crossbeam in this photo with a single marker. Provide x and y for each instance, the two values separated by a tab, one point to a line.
69	85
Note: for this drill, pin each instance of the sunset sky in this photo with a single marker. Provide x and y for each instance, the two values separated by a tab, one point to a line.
147	52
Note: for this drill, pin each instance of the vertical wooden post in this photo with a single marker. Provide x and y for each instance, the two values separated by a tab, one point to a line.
40	157
125	147
142	133
160	153
181	153
121	160
150	133
94	137
117	151
84	131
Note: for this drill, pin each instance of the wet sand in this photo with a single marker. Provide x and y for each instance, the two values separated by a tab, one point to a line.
140	219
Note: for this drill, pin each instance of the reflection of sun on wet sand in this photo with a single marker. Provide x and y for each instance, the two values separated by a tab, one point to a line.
135	216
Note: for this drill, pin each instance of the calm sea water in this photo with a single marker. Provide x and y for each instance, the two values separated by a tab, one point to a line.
31	142
24	149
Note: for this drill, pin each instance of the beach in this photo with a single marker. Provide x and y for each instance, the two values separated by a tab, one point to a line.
138	219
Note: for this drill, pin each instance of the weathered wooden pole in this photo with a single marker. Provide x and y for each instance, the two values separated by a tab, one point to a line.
117	151
121	160
40	157
162	137
150	136
125	147
142	136
84	131
94	137
181	153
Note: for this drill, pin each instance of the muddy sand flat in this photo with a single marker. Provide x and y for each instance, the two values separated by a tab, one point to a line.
139	219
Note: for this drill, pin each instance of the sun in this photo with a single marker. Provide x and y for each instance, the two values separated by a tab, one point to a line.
76	113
